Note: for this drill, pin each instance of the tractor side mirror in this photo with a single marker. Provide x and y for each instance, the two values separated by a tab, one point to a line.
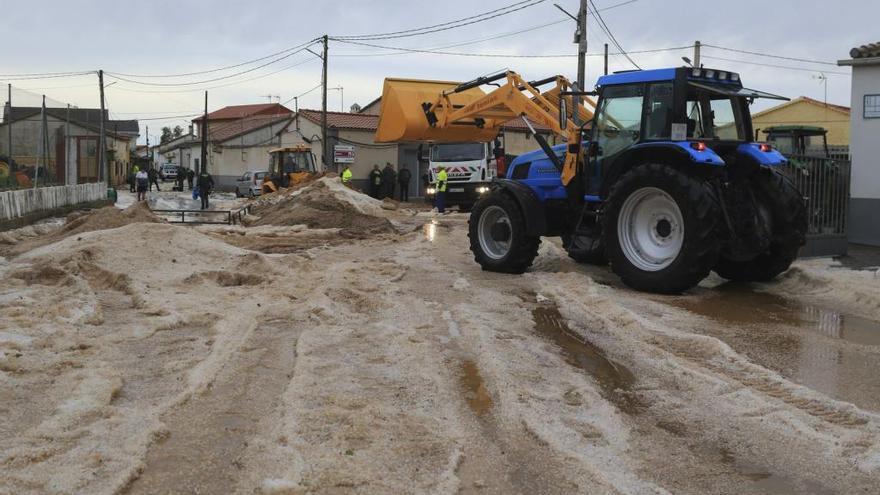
563	113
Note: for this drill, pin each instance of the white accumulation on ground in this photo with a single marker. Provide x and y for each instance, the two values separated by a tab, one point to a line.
159	359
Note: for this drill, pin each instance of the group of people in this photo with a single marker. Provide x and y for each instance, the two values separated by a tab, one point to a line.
141	181
384	182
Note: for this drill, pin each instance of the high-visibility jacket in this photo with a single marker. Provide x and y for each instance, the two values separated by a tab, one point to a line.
441	180
346	175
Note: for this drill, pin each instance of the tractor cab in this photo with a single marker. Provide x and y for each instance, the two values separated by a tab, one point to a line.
801	140
289	166
696	115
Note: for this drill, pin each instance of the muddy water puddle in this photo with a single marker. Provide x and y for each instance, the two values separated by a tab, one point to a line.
614	379
832	352
735	303
477	396
764	480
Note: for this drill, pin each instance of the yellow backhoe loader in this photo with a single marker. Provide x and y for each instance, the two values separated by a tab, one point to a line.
290	166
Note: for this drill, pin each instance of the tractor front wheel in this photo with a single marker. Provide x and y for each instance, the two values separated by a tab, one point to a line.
498	238
660	229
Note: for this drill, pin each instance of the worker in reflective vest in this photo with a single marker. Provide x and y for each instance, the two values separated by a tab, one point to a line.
346	176
441	190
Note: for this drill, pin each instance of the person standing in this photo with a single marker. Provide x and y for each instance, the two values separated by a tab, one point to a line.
190	176
388	179
403	178
154	178
441	190
346	176
205	183
142	182
180	172
375	181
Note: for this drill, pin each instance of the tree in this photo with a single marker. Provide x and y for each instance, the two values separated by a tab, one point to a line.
167	135
178	131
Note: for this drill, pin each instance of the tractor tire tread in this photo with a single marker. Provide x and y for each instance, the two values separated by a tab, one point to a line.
525	247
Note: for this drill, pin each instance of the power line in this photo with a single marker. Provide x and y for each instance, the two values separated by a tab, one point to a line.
303	94
607	31
466	21
805	69
174	91
780	57
500	55
221	78
219	69
25	77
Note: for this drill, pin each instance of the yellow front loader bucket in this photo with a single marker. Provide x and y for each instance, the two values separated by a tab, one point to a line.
402	118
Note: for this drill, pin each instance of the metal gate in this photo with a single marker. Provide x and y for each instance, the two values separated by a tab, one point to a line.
824	183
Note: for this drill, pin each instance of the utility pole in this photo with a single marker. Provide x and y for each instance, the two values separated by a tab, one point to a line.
8	119
67	145
325	149
204	132
697	63
41	149
102	143
606	59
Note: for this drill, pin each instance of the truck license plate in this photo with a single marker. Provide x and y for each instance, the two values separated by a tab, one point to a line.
457	189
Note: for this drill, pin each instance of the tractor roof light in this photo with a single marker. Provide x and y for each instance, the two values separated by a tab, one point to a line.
697	73
698	146
734	77
710	74
722	76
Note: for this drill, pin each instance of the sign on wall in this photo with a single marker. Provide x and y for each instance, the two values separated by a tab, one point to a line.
343	153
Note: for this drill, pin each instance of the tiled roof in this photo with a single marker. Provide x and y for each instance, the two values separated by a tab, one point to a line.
228	131
241	111
866	51
342	120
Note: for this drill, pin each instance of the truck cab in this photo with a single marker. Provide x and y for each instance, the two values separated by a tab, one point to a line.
470	168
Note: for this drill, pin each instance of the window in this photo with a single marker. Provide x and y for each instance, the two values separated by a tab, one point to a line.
619	119
724	120
872	106
458	152
659	111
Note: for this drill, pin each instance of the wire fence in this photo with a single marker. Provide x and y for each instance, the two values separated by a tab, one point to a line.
59	144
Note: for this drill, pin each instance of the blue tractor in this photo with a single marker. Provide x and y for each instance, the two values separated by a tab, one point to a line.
665	182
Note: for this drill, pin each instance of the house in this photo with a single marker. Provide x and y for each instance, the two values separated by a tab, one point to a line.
807	111
862	224
73	137
239	139
235	113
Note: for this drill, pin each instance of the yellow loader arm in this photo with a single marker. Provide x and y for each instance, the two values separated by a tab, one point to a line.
448	112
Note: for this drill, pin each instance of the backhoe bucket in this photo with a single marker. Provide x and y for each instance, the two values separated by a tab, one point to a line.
402	118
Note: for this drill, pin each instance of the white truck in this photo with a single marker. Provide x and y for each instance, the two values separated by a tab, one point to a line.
470	167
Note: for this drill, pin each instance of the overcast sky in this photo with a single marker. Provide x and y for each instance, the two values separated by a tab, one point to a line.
163	37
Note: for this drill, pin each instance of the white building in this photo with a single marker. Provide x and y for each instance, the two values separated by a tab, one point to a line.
863	226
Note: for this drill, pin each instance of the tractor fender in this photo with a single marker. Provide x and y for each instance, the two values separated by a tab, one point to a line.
532	209
669	152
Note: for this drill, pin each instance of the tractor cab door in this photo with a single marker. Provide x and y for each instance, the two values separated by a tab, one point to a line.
617	126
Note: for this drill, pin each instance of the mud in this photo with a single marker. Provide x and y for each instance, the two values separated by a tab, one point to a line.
205	445
760	479
478	397
317	207
614	379
105	218
833	352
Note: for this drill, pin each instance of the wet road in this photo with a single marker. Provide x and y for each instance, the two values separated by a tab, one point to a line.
835	353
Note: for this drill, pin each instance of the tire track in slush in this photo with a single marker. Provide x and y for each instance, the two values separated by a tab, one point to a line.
205	447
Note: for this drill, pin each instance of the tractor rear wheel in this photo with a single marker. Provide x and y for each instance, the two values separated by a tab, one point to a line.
498	238
788	225
660	229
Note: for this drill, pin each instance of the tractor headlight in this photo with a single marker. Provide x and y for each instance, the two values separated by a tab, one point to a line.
482	190
431	190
